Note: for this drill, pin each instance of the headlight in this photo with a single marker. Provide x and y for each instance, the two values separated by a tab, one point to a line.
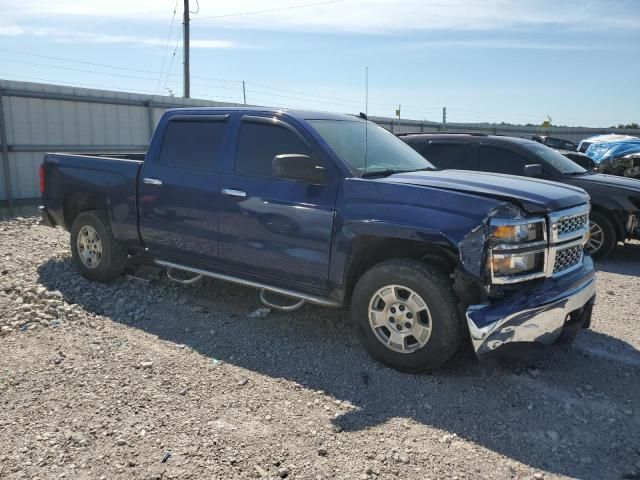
522	232
517	263
517	249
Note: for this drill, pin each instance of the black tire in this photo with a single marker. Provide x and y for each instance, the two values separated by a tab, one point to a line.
113	257
608	240
436	292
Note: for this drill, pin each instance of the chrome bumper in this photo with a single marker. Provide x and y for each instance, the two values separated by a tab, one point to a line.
542	321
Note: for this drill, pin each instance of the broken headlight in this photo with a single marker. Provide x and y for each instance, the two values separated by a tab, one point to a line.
518	250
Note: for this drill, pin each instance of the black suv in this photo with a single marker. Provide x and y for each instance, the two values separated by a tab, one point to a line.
553	142
615	215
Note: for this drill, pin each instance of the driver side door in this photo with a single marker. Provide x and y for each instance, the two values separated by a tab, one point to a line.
276	229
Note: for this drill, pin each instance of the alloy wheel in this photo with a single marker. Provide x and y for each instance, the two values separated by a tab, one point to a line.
89	246
400	318
596	237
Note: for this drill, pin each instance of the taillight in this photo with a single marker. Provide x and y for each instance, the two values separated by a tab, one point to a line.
41	175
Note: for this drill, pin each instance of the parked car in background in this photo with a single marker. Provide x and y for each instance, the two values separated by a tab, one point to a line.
553	142
580	158
620	157
615	201
334	210
558	143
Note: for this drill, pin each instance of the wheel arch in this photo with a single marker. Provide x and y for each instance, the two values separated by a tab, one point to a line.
616	220
76	203
368	251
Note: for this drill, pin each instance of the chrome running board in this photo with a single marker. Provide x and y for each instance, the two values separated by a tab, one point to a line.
325	302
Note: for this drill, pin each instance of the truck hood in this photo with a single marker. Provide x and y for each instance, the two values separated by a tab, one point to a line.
601	179
533	195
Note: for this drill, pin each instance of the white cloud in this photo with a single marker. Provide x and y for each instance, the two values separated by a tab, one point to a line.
72	36
374	16
10	30
505	44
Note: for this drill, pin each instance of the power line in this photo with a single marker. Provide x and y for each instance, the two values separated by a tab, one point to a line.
296	95
115	67
222	80
271	10
166	48
76	69
66	83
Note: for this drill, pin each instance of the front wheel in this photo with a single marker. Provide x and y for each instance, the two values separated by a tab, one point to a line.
602	236
406	315
96	253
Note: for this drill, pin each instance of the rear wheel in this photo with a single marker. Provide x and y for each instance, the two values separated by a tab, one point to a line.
96	253
602	239
406	315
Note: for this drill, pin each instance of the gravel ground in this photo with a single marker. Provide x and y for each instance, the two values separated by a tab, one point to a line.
136	380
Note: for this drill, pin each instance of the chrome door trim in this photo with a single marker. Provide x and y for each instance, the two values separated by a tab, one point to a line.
151	181
234	193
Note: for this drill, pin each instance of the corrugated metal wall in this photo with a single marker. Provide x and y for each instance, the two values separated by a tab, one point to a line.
39	118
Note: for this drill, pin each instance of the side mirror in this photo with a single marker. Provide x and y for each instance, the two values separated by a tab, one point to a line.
294	166
533	170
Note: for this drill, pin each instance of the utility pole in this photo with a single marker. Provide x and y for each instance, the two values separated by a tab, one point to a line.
444	118
244	93
185	47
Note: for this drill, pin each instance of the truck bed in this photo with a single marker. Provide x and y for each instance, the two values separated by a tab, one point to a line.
75	182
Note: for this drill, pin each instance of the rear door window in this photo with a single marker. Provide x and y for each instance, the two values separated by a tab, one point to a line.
194	143
259	142
500	160
449	155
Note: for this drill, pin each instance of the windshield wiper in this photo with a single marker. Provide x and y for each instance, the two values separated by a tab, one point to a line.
391	171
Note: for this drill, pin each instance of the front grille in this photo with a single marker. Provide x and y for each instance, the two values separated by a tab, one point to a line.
572	224
567	258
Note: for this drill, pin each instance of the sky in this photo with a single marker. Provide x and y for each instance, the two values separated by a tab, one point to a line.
515	61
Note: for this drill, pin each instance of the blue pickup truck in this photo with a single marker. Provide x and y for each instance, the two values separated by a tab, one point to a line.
334	210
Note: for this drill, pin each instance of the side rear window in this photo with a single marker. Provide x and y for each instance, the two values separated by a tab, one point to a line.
449	155
501	160
417	146
259	142
195	144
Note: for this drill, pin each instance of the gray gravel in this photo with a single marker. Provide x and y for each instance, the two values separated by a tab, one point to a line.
136	380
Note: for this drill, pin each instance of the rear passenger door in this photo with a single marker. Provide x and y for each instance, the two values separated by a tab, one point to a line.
179	190
276	229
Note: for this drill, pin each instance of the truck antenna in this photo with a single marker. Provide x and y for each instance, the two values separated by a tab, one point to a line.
366	114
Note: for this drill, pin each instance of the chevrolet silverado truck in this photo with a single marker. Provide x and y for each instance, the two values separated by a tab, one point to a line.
334	210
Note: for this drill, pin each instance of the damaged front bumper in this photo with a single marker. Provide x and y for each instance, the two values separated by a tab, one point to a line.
535	315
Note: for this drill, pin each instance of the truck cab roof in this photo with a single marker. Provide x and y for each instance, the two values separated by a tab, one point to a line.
296	114
467	137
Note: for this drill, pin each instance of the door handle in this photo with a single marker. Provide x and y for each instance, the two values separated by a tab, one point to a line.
234	193
152	181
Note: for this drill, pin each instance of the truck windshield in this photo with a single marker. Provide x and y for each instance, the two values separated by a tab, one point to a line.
385	153
555	159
